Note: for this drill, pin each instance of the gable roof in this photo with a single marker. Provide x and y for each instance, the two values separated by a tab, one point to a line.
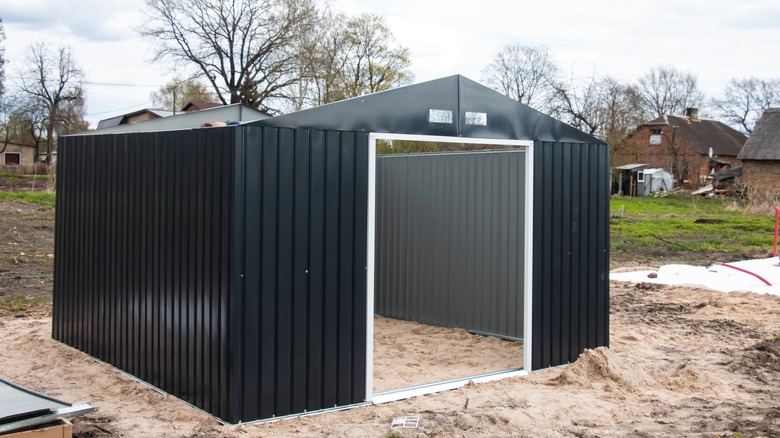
407	110
197	105
764	142
705	134
122	120
186	120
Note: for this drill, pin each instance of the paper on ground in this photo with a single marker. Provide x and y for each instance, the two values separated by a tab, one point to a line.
719	278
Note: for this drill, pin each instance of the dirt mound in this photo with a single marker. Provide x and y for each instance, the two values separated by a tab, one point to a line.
603	368
759	358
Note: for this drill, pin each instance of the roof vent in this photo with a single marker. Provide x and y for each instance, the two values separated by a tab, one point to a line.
692	113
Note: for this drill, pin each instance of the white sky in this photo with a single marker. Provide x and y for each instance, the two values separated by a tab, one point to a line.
715	40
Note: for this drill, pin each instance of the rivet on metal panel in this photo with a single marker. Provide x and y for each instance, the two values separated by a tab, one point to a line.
307	271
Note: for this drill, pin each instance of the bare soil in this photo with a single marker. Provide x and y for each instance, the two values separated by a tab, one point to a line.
409	354
681	362
23	184
26	258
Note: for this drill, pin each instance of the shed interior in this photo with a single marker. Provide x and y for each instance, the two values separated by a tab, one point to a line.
450	251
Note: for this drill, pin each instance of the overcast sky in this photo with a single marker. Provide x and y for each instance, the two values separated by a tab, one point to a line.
715	40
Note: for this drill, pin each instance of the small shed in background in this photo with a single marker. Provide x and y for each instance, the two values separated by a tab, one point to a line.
233	267
761	158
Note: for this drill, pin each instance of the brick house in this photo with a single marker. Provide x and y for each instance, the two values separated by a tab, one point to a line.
761	158
682	146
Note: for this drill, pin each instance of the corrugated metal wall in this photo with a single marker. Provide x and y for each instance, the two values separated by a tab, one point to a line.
301	251
224	266
227	266
571	251
143	257
449	245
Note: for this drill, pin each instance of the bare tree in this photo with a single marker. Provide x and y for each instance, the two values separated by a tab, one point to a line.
179	92
52	83
374	60
580	104
667	90
621	111
245	49
348	57
744	100
680	159
604	107
4	107
322	57
527	74
2	60
24	121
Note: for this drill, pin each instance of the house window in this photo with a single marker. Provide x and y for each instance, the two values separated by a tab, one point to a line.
640	176
12	158
655	136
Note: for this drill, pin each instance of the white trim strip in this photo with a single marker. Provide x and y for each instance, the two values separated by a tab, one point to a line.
370	255
442	139
527	145
528	294
387	397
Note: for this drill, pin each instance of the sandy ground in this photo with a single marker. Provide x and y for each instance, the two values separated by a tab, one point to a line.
682	362
409	354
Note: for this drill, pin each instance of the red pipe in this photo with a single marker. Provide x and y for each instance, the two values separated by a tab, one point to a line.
777	221
747	272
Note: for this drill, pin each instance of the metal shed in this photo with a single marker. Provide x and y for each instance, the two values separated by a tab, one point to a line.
235	267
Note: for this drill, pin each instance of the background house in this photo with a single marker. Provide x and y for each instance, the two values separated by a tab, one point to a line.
152	114
761	157
17	154
197	105
134	117
682	146
215	116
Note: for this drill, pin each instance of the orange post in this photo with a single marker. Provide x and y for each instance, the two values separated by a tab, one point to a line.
777	222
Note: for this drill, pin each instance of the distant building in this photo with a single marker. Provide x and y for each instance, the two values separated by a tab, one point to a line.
134	117
216	116
17	154
761	157
197	105
151	114
702	147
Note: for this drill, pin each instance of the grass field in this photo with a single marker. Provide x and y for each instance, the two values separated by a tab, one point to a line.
42	198
686	229
643	230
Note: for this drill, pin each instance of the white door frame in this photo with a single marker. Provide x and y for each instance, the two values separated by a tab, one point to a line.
527	145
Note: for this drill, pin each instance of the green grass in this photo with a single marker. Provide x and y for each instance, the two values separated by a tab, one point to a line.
647	229
44	199
18	303
18	176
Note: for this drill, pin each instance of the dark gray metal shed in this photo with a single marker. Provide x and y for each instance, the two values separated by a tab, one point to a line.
233	267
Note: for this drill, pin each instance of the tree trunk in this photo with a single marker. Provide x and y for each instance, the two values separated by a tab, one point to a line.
50	132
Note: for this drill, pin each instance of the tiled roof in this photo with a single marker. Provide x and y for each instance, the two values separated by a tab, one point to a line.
705	134
198	105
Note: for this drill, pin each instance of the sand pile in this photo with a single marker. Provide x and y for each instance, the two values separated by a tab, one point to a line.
603	369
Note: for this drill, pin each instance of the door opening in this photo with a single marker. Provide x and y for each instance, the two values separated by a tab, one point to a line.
449	262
